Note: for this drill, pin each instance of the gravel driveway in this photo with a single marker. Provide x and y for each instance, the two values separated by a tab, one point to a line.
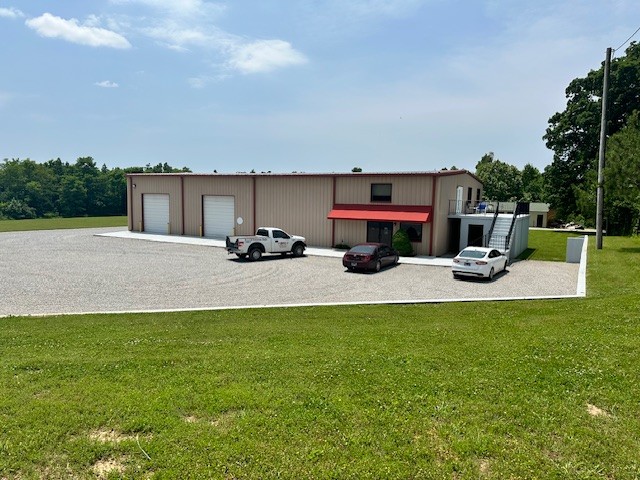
72	271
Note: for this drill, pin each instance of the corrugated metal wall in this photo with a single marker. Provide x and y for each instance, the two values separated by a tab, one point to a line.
405	190
239	187
298	205
156	184
446	191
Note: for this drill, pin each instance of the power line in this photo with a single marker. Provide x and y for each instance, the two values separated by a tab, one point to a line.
625	42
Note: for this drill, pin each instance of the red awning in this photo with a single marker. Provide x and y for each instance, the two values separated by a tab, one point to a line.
382	213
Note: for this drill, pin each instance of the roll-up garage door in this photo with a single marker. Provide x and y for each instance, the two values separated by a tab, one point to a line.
155	211
218	212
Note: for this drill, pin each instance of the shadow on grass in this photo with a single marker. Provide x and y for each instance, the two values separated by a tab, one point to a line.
629	250
527	254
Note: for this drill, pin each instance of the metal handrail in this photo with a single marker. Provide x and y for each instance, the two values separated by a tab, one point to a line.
522	208
493	222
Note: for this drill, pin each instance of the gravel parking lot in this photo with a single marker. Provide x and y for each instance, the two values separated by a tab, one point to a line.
73	271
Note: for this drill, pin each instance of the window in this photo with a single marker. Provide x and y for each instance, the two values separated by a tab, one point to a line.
478	195
469	194
414	230
380	192
280	234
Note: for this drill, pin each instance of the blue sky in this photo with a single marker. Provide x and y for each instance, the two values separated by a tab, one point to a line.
295	85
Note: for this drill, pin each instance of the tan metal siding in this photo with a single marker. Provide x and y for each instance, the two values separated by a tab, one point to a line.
298	205
405	190
445	192
156	184
351	232
195	187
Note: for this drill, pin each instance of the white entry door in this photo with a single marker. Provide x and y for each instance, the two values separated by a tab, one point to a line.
219	214
155	211
459	193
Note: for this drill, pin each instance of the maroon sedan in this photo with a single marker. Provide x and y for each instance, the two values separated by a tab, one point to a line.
369	256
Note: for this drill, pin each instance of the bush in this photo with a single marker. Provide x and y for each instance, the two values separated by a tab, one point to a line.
16	210
342	246
402	243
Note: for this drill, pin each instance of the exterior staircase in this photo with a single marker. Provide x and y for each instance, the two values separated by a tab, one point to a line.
500	233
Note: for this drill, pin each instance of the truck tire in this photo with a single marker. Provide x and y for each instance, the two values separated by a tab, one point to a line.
241	255
255	254
298	250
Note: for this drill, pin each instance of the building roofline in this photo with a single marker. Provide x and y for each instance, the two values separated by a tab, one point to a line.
438	173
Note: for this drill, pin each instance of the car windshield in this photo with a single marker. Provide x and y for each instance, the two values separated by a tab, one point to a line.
472	254
367	249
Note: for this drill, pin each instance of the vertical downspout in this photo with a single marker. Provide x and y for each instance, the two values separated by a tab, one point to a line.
433	214
255	226
333	221
182	202
129	205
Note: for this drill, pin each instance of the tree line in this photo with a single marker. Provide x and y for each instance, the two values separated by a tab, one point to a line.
55	188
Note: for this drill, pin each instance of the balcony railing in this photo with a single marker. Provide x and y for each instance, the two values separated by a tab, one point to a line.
484	207
466	207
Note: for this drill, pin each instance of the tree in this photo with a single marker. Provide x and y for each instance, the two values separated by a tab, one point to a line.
73	197
573	134
502	182
532	184
356	170
622	179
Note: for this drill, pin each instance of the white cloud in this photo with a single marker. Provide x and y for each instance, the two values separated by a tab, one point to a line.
107	84
179	37
239	54
10	12
50	26
264	56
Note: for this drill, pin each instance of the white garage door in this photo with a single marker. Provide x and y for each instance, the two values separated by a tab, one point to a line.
155	211
219	214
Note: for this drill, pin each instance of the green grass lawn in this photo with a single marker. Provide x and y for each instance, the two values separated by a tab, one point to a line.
547	245
519	390
55	223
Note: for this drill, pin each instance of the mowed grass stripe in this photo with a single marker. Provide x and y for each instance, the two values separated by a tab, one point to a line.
61	223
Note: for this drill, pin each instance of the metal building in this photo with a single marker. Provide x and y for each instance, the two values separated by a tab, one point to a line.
328	209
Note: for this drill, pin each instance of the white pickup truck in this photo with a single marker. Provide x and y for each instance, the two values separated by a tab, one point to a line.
266	240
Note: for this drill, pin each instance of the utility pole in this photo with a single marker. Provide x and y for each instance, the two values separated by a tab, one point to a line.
603	143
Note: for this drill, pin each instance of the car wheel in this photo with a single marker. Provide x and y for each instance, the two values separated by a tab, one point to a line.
378	266
298	250
505	266
456	276
491	273
396	259
241	255
255	254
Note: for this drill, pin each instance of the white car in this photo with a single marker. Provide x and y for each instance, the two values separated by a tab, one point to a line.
479	262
